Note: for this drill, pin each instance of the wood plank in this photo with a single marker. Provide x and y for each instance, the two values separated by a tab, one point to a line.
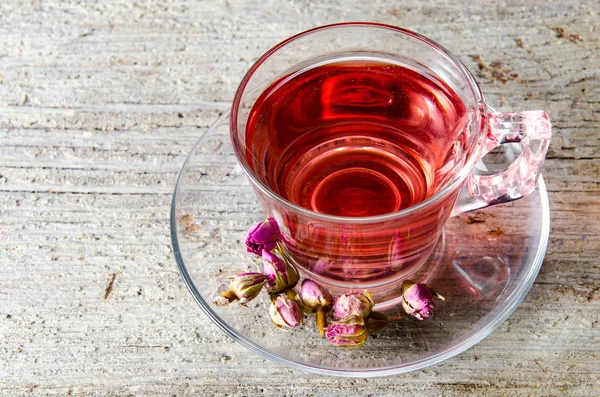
99	106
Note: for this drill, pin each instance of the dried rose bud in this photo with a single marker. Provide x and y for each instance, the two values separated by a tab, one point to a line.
263	236
281	274
350	332
285	312
316	297
417	299
244	287
352	304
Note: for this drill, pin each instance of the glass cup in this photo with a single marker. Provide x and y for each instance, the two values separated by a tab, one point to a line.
346	250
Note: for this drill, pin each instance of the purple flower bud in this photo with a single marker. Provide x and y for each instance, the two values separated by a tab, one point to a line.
281	274
417	299
263	236
313	295
285	312
350	332
244	287
352	304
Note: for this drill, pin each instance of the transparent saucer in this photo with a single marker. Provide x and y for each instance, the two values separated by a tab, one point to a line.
484	264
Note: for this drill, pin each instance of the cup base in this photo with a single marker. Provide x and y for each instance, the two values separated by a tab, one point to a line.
386	293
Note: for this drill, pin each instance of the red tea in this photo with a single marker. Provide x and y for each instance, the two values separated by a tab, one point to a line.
358	138
355	138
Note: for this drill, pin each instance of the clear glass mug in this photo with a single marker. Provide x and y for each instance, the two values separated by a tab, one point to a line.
355	252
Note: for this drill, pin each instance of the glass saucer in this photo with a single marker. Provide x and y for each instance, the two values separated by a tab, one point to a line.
484	265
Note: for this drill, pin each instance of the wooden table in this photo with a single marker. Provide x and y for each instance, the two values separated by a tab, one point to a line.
99	105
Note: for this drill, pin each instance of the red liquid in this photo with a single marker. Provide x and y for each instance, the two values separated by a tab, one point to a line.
354	138
358	138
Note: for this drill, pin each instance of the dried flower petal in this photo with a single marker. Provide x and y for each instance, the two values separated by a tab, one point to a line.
281	274
285	312
314	295
244	287
350	332
263	236
352	304
417	299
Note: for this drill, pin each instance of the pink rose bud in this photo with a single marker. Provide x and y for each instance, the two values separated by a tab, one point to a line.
285	312
313	295
350	332
281	274
244	287
316	297
352	304
263	236
417	299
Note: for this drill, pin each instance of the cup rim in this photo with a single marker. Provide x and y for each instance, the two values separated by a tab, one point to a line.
454	183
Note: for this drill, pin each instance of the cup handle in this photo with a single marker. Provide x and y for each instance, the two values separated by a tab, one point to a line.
533	131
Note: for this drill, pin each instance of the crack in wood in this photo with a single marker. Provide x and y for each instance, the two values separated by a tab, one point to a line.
109	287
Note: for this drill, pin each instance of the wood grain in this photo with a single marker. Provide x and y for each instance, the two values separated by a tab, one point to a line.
100	104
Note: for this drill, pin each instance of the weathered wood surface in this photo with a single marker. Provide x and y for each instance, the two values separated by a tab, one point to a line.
99	105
